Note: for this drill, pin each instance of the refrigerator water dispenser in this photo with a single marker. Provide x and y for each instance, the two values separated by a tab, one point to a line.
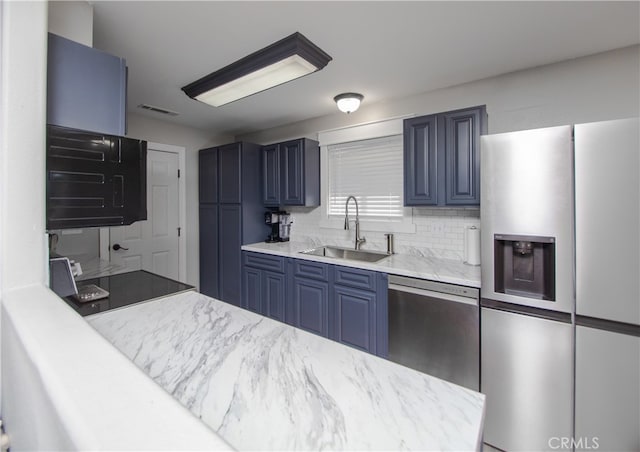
525	266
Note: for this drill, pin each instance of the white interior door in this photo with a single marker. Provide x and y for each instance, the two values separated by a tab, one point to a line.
153	245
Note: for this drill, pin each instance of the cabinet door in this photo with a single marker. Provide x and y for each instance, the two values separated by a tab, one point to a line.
86	88
208	175
273	290
209	250
420	160
354	318
94	179
229	161
459	140
311	305
252	289
291	178
230	253
271	175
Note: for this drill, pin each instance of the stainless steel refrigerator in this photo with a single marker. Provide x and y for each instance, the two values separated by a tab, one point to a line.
607	212
557	206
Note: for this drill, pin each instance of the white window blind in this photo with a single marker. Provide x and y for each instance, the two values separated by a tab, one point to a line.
370	170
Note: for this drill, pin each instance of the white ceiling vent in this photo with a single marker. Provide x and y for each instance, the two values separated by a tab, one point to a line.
163	111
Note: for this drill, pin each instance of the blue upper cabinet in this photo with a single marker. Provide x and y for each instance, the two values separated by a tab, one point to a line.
459	139
291	173
271	175
420	162
442	158
86	88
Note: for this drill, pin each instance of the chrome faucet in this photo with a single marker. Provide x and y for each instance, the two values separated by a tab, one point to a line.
359	240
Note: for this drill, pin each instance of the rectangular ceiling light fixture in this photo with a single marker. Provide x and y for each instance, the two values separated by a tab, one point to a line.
281	62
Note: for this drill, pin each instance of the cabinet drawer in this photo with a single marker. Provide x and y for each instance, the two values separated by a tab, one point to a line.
264	261
355	277
309	269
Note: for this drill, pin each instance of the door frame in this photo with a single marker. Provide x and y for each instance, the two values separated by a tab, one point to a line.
182	199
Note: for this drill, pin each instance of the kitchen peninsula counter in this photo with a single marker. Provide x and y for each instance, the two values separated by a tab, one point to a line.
414	266
262	384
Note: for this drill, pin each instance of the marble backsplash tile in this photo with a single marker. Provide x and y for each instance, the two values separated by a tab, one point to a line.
439	232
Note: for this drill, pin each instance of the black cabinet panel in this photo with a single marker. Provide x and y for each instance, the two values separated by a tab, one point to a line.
94	179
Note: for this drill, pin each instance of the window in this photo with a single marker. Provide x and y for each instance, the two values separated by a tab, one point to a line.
370	170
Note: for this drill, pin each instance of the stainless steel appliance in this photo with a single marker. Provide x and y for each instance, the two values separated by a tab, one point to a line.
527	287
433	328
549	252
607	186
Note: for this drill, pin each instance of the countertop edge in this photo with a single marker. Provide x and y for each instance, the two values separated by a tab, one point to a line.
397	269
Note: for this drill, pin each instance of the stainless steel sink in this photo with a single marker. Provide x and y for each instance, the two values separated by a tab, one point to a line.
346	253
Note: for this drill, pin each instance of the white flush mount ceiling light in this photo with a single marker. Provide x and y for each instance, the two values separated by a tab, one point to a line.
348	102
281	62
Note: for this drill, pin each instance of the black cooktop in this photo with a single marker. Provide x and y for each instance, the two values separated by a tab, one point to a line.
125	289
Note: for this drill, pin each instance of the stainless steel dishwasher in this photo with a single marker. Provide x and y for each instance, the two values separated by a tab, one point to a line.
434	328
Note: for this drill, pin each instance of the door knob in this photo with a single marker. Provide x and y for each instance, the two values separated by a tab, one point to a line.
117	247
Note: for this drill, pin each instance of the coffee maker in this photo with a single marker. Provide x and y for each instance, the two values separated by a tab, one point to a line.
280	223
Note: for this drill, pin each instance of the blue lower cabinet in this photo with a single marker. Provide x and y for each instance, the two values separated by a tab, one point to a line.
274	290
354	318
310	302
348	305
252	289
264	291
360	316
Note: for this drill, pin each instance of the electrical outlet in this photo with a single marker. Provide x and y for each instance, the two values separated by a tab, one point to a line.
437	228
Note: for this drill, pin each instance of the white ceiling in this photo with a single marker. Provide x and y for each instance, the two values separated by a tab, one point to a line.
382	49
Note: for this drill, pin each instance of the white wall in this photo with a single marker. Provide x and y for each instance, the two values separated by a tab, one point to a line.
598	87
594	88
72	20
192	139
22	116
23	141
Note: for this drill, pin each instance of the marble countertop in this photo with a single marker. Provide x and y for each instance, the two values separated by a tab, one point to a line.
416	266
261	384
